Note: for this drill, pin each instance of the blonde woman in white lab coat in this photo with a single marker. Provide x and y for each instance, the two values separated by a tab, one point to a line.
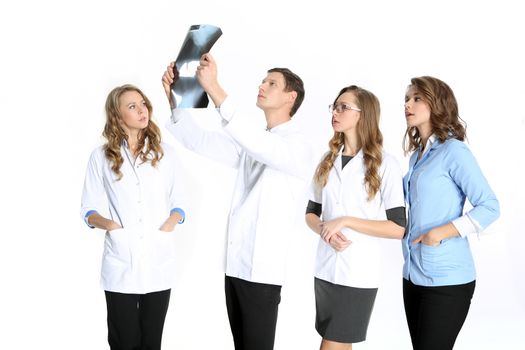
137	179
356	198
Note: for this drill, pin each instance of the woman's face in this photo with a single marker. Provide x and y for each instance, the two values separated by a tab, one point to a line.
134	115
417	111
345	113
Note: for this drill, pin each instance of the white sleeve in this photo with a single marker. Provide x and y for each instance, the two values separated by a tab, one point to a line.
214	144
94	197
290	154
177	181
391	183
468	176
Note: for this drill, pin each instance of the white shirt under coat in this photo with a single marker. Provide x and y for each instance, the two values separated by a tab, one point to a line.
273	169
345	194
138	258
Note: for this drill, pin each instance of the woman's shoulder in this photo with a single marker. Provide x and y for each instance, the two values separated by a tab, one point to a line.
453	145
169	154
166	147
98	152
456	151
389	159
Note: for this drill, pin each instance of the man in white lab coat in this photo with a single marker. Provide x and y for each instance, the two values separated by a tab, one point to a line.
274	166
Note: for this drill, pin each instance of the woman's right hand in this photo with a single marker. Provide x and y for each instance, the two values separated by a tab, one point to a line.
112	225
169	77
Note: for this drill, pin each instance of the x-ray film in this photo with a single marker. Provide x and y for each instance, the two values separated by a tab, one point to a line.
186	92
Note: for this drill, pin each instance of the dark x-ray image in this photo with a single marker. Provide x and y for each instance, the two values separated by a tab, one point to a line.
186	91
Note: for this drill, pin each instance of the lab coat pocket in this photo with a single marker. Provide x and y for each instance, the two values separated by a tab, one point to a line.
162	247
116	261
117	246
436	260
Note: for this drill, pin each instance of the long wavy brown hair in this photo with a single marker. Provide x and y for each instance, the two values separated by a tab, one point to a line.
369	140
115	134
444	114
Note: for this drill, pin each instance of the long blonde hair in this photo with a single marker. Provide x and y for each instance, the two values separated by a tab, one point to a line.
115	134
369	139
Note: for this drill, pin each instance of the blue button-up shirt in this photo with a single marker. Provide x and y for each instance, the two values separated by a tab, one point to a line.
436	187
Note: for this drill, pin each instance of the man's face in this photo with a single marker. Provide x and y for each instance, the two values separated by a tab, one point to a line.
272	95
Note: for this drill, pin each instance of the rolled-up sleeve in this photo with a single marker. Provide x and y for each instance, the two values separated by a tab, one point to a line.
93	194
214	144
467	174
177	190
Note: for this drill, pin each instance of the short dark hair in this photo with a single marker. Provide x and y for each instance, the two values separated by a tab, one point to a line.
292	83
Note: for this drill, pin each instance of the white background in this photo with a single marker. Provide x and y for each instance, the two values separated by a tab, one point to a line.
60	59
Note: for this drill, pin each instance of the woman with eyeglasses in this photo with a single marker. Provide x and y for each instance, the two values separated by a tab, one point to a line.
136	179
356	198
439	274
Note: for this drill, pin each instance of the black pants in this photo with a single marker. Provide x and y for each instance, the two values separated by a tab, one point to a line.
252	311
435	315
135	321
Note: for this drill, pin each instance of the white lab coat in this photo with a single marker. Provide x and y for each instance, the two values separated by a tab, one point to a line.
138	258
273	169
345	194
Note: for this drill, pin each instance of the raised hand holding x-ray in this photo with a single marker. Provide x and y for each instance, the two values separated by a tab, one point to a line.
186	91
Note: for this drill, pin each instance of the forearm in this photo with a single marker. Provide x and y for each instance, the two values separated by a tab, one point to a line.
217	94
377	228
314	222
171	222
442	232
215	144
101	222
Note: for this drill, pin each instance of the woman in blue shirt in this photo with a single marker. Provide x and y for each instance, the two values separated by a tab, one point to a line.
439	274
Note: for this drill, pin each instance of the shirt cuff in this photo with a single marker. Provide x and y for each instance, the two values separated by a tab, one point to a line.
86	217
181	212
466	225
227	109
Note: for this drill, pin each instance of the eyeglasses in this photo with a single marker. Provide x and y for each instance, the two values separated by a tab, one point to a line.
341	107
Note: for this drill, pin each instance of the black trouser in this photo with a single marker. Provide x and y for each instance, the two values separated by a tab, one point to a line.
135	321
252	311
435	315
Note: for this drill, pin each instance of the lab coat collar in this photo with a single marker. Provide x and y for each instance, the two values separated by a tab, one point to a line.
338	161
283	126
125	145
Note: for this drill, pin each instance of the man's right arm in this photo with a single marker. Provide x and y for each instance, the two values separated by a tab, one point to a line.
213	144
216	145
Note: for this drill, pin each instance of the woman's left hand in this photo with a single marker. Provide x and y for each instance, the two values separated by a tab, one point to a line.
331	227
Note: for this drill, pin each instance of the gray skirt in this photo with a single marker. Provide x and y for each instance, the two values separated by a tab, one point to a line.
342	313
